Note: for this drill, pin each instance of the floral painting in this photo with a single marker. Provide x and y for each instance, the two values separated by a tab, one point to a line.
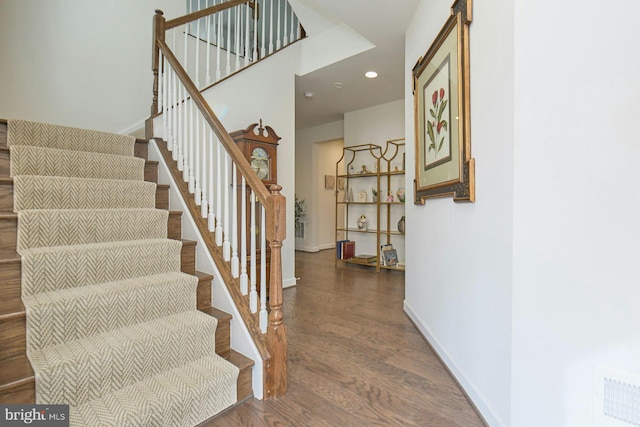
437	138
443	163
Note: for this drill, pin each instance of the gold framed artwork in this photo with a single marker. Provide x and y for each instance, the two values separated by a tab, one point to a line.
444	166
329	182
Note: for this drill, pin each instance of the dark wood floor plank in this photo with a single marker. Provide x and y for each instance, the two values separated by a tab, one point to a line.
355	359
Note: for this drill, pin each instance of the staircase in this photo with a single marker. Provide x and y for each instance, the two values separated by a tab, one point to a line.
101	306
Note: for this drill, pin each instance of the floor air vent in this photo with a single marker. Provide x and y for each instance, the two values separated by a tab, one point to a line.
617	398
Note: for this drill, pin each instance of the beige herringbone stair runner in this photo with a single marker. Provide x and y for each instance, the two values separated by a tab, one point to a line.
112	325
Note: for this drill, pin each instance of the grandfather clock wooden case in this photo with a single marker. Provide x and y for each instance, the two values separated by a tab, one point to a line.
260	148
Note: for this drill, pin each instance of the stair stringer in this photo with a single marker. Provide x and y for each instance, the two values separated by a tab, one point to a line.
241	339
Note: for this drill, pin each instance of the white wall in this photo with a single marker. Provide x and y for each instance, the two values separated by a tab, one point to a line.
309	183
374	125
458	278
274	104
576	203
327	154
79	63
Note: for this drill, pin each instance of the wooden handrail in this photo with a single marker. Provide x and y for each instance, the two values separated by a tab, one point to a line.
274	356
236	155
204	12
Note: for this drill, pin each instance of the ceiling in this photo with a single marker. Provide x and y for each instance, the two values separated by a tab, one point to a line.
383	23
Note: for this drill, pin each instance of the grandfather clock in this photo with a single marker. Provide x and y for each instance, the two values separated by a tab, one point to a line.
260	148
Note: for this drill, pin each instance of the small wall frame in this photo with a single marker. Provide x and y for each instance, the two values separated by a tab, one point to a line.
443	162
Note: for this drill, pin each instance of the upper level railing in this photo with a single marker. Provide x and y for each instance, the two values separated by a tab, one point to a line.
214	167
215	42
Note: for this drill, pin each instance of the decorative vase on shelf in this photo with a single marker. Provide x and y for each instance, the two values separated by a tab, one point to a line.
363	222
401	225
400	194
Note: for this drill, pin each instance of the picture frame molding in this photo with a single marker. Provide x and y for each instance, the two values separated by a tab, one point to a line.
462	187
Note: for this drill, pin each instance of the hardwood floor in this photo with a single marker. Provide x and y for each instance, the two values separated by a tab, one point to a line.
355	359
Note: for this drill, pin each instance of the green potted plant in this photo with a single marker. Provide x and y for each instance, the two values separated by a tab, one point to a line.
300	210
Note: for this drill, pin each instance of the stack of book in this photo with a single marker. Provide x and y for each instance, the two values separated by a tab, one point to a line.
364	259
345	249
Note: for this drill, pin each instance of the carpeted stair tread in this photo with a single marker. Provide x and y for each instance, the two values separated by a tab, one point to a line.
61	227
24	132
73	313
181	397
48	192
77	371
111	323
26	160
52	268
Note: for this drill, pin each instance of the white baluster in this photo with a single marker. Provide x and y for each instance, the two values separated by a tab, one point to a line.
244	279
237	36
185	131
160	88
185	64
204	182
271	27
235	262
219	193
254	56
285	40
165	104
226	242
175	118
198	50
209	19
247	44
174	101
278	45
253	296
196	157
192	183
291	34
228	42
212	217
263	17
180	124
263	271
219	46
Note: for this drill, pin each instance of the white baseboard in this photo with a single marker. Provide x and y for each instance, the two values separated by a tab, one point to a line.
315	248
477	399
289	282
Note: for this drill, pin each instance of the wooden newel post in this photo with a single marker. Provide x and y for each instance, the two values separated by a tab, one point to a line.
276	372
158	34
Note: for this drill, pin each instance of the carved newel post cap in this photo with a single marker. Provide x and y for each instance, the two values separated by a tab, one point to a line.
275	188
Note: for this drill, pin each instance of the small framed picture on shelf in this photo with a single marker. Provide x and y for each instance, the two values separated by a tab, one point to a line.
390	258
383	249
361	197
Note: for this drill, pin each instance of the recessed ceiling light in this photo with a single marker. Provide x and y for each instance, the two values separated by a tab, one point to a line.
338	85
371	74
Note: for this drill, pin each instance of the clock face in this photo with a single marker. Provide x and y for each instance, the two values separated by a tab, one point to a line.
259	153
260	163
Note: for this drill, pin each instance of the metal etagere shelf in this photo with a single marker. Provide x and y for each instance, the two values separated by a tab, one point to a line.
363	173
